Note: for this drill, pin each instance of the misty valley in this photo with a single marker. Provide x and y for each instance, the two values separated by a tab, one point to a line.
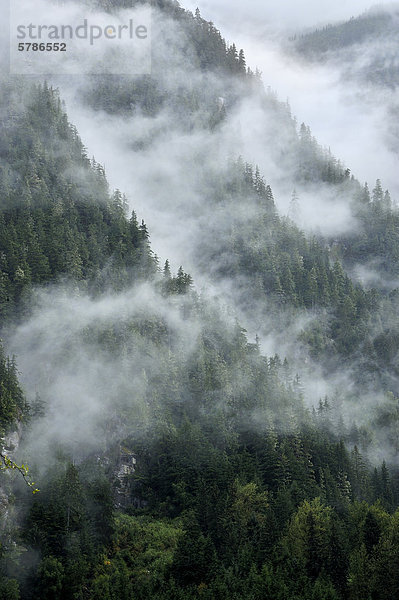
199	375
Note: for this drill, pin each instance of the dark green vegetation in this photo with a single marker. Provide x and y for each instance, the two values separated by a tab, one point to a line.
240	489
57	217
12	402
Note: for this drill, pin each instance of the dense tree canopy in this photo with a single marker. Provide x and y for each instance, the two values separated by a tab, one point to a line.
213	475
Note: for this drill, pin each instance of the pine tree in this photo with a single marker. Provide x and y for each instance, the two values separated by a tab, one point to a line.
166	270
242	66
378	194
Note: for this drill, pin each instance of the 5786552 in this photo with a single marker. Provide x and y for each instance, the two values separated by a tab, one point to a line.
42	47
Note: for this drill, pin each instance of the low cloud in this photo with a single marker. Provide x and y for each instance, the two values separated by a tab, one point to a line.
169	170
90	365
276	15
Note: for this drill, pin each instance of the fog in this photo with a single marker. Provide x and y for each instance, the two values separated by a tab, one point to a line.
169	170
343	115
94	393
276	15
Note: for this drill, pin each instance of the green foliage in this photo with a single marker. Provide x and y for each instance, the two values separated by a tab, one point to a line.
57	217
139	559
307	540
12	400
51	576
239	490
286	271
9	589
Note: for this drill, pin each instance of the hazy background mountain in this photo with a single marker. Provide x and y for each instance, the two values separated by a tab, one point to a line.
341	114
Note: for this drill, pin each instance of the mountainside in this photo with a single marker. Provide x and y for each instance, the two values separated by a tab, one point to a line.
224	428
376	25
364	53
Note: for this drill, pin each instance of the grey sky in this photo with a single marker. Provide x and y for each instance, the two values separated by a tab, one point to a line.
286	13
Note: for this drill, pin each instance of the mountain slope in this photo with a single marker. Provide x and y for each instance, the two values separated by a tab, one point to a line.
374	25
150	392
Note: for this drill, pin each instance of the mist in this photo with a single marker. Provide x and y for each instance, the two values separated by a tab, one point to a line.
90	366
198	305
150	158
272	16
346	116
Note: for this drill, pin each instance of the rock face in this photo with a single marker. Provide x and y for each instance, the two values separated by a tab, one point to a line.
124	485
4	509
9	444
125	467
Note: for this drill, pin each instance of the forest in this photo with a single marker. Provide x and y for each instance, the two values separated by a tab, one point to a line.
218	423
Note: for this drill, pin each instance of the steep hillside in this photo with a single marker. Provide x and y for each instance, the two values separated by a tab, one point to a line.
174	458
375	25
364	52
366	46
